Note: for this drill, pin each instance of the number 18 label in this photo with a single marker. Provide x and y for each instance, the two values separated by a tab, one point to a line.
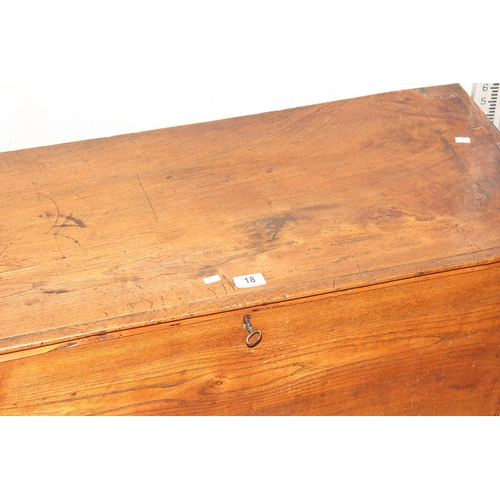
249	280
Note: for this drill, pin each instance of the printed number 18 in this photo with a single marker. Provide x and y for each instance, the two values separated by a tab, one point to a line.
250	279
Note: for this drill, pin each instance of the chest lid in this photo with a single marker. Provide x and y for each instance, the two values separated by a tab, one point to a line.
158	226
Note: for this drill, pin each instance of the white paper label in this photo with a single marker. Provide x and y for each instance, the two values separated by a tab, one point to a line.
249	280
211	279
465	140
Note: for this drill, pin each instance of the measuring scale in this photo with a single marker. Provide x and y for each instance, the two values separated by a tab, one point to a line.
485	95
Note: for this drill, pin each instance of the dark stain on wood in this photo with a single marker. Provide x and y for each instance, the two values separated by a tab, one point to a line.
76	222
459	164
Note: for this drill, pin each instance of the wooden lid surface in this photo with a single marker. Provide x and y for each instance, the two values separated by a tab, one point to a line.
120	232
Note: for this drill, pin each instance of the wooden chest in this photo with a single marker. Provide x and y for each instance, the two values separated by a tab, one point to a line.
355	243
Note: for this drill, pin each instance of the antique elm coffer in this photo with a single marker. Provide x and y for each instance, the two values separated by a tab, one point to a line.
334	259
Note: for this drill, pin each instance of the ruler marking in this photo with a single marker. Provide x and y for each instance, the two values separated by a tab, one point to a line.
485	95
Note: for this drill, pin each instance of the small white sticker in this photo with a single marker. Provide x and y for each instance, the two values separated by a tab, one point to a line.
211	279
249	280
465	140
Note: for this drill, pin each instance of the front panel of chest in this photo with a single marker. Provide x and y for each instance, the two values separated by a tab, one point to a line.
423	346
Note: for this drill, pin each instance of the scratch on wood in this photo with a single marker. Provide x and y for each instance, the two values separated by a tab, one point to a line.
77	195
359	271
57	216
230	284
17	269
58	247
149	201
68	346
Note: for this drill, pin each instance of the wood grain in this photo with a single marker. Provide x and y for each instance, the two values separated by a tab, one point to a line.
377	232
422	346
110	234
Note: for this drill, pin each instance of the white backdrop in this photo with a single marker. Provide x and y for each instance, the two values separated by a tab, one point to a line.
79	70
